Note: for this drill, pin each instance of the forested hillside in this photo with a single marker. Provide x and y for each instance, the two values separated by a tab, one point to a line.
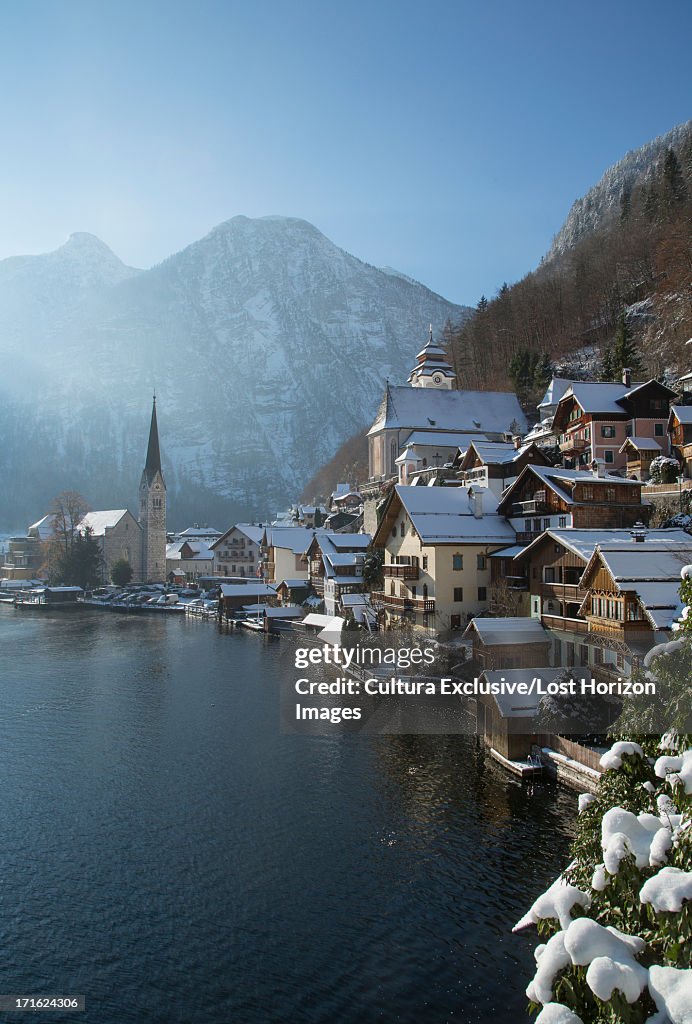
639	255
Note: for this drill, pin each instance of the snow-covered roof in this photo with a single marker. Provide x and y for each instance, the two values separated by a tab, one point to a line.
436	438
497	453
517	705
294	584
464	411
346	541
43	529
199	531
99	522
599	397
198	551
494	632
682	412
583	542
553	477
445	515
247	589
510	552
342	549
295	538
248	530
555	391
642	444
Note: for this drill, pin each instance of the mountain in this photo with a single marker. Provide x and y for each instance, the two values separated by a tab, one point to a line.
623	252
603	202
266	344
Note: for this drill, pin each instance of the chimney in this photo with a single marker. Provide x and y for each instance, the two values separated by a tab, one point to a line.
639	532
627	377
596	467
516	440
476	498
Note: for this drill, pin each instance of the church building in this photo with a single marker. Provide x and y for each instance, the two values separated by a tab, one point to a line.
431	418
152	509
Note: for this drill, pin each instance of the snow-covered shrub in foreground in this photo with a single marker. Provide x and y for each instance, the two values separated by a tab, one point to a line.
618	922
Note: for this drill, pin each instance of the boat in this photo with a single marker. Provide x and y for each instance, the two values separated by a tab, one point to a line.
49	598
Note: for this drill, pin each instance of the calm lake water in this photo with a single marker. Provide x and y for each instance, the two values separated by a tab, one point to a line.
170	855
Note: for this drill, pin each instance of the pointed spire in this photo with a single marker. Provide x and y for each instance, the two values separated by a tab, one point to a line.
153	463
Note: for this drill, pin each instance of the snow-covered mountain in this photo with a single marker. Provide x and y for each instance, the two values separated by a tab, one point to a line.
603	200
267	346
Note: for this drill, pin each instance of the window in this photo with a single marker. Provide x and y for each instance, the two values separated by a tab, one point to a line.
457	562
414	592
658	429
537	525
588	493
610	493
598	656
480	561
394	530
402	529
562	522
458	593
482	594
570	654
583	655
527	525
607	431
609	457
546	524
425	561
557	652
549	574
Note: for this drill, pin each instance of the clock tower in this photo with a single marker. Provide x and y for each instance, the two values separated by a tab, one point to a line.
152	509
432	369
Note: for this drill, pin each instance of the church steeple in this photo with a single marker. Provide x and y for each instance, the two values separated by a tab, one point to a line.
432	369
153	463
152	508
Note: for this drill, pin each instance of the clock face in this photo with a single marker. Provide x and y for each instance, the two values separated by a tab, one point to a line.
437	378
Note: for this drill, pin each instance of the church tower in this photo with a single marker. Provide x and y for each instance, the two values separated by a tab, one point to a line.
432	369
152	509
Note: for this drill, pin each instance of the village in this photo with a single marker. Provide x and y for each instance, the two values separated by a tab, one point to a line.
526	549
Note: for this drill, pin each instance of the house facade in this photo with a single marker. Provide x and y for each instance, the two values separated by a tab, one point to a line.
238	551
437	542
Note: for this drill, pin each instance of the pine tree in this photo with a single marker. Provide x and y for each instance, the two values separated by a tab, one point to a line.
543	372
607	372
482	304
674	188
624	351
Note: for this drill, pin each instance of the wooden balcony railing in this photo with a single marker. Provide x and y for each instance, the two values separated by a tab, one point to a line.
565	624
416	604
402	572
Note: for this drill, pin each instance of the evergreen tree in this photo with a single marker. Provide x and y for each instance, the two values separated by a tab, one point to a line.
674	189
121	572
607	372
543	372
626	203
482	304
624	351
81	564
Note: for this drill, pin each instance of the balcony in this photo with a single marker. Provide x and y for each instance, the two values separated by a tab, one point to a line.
618	629
401	572
572	443
562	591
536	506
563	623
403	604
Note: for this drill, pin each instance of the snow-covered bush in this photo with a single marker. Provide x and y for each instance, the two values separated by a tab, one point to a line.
664	470
618	922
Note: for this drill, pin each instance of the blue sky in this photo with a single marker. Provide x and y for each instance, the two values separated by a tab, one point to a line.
447	140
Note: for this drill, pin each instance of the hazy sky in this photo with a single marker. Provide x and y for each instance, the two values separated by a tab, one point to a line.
447	140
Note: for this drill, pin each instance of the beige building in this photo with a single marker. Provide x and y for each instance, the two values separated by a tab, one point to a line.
285	553
119	536
238	551
437	542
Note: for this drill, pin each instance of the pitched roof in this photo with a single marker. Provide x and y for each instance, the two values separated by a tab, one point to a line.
99	522
555	391
502	631
249	530
642	444
446	515
682	412
152	465
584	542
553	477
463	411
